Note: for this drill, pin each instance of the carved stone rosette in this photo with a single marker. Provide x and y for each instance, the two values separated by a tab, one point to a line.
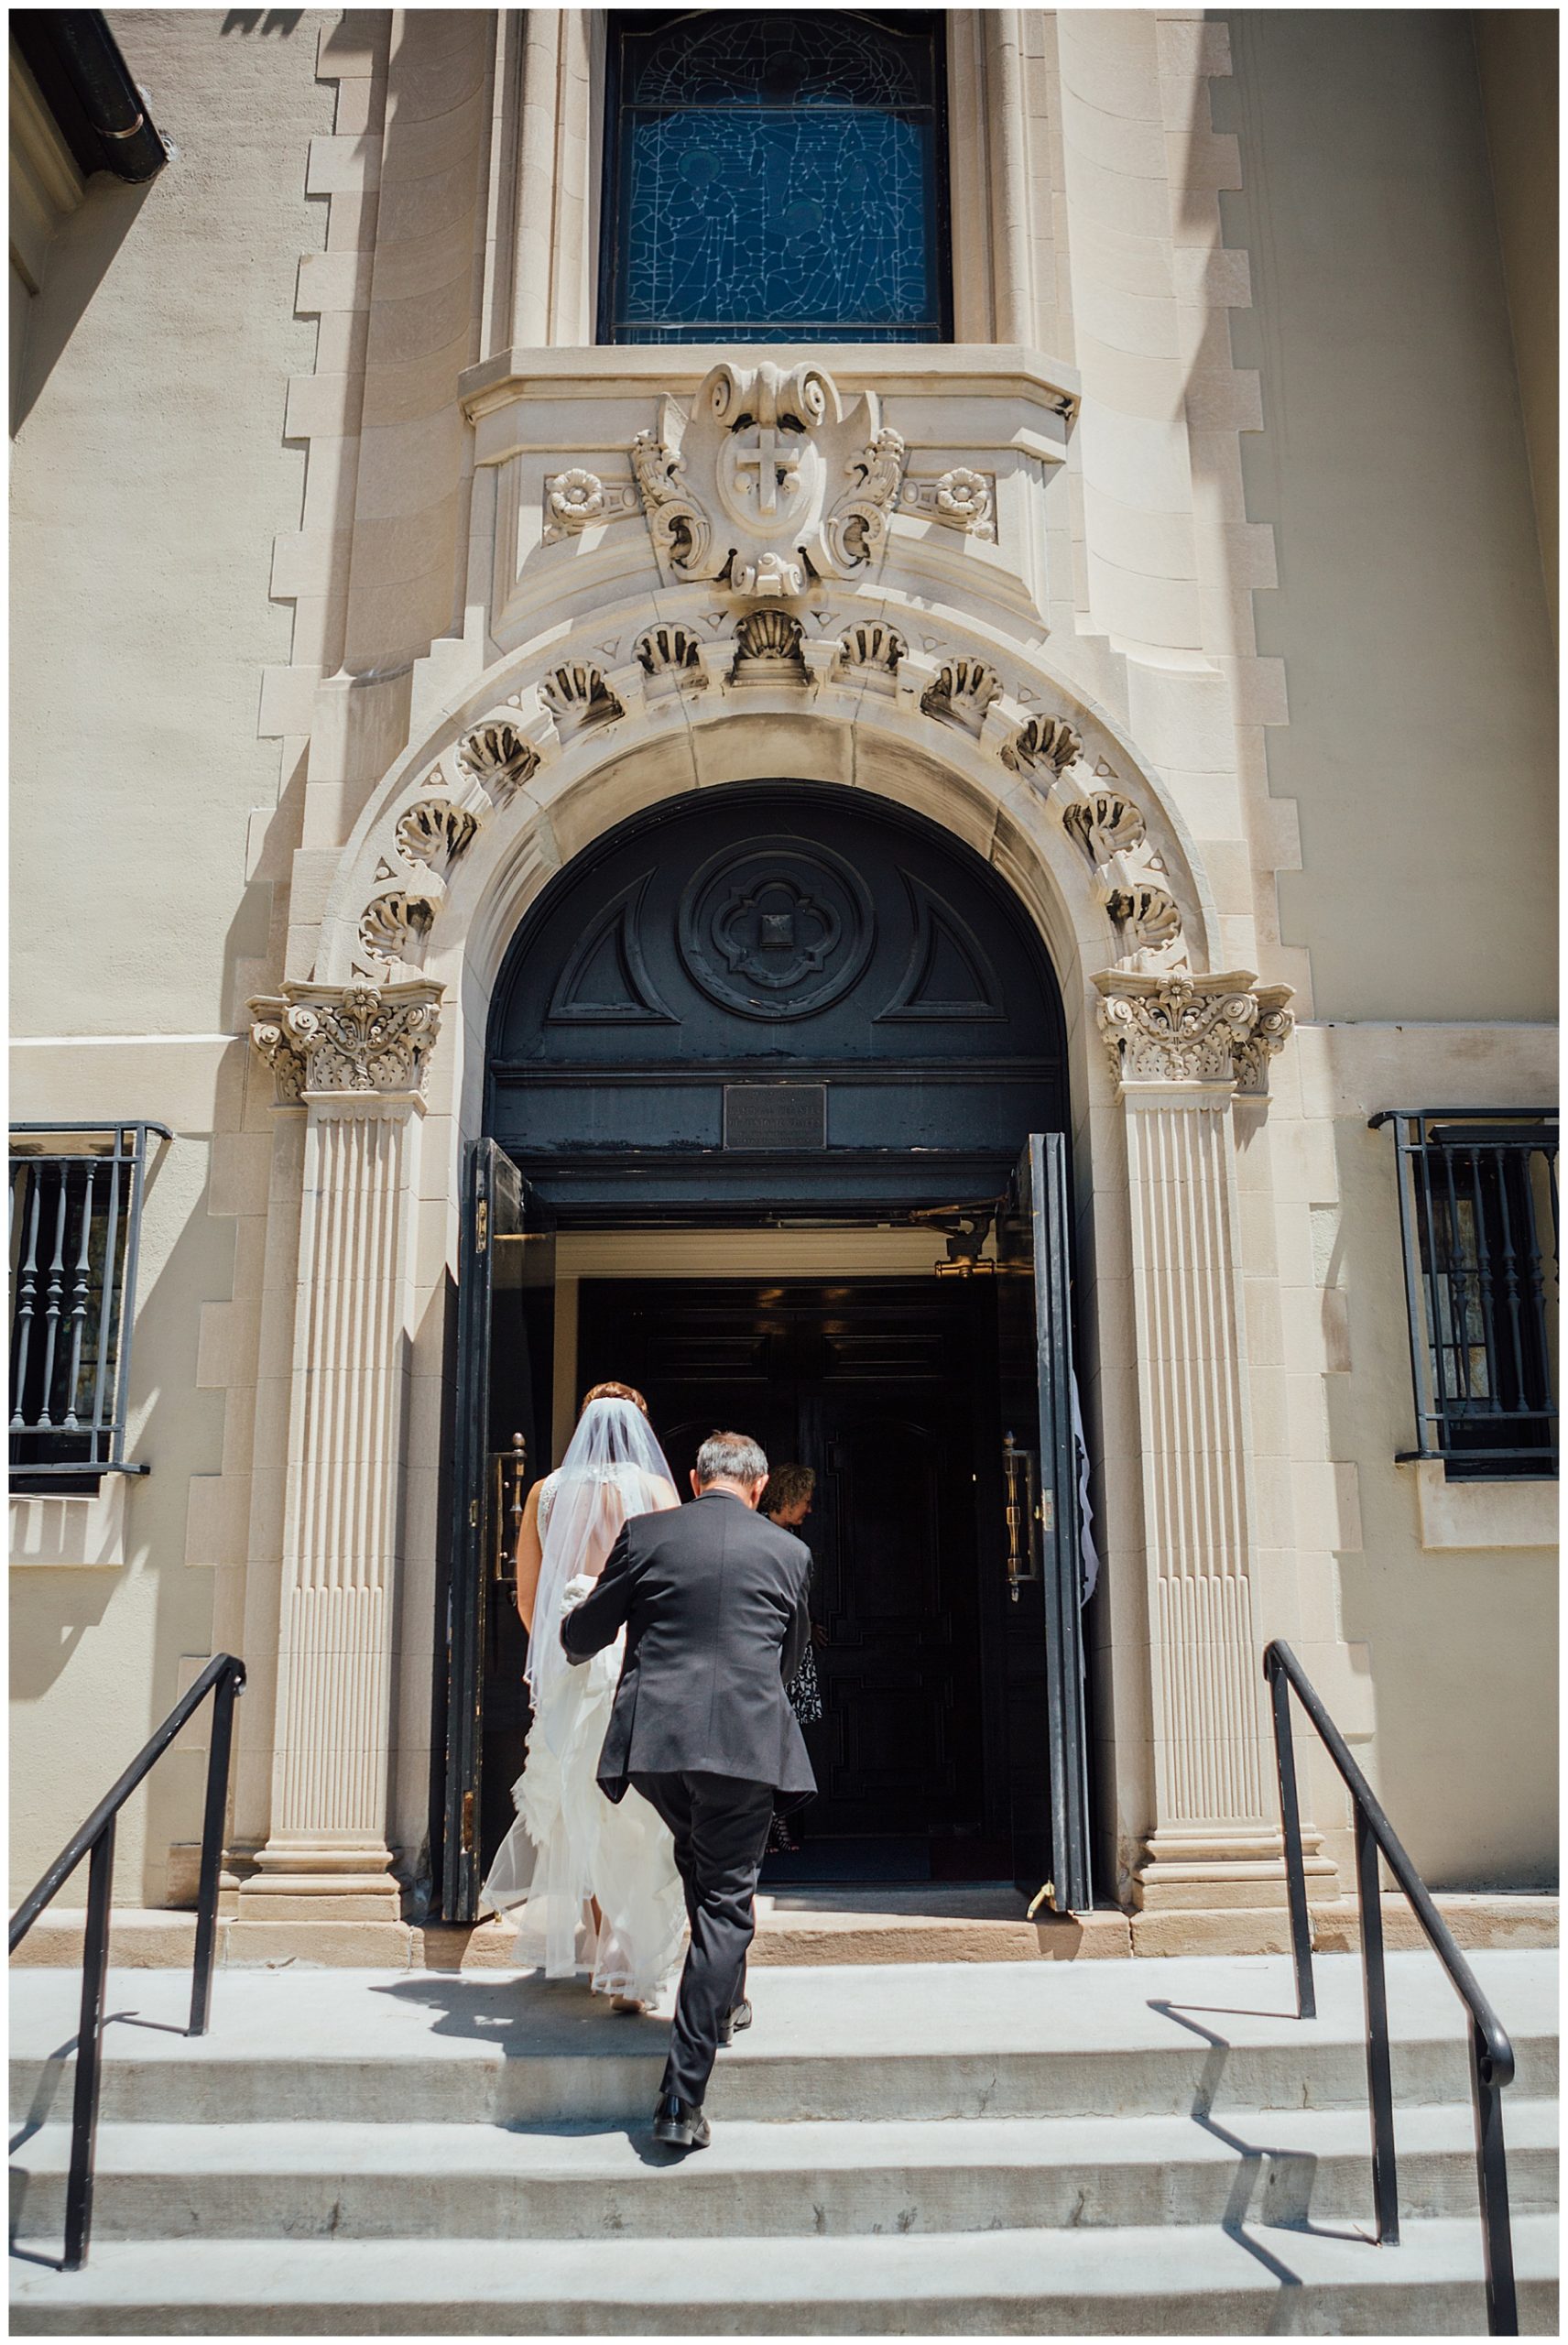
326	1041
1175	1029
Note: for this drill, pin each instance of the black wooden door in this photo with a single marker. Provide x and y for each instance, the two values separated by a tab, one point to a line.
1046	1737
870	1384
501	1443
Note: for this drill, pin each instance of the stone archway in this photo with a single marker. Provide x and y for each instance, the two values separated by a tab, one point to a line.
380	1056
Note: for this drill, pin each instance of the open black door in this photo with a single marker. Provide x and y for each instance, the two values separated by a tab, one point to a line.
1046	1738
502	1442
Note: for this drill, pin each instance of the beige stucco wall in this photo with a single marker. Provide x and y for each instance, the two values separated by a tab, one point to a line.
150	475
1454	1646
1410	607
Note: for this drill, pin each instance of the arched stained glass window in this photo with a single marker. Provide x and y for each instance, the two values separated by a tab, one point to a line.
776	178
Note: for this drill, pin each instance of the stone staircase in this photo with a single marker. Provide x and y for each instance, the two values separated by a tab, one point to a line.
1130	2147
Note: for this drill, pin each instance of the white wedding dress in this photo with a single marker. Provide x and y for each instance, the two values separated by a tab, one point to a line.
569	1843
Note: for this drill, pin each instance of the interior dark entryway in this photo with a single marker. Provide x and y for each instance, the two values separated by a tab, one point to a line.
792	1008
877	1385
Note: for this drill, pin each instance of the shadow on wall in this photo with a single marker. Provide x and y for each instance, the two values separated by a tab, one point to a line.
79	256
262	20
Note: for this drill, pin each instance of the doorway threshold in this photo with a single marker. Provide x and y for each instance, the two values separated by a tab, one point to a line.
869	1922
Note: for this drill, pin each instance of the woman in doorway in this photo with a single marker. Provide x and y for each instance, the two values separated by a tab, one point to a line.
573	1862
788	1501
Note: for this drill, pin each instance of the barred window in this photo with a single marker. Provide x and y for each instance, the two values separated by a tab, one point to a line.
1479	1219
775	177
76	1197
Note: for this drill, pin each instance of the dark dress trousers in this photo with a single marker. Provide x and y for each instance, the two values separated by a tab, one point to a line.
713	1599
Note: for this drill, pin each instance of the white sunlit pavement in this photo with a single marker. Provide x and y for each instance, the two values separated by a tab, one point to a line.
1124	2147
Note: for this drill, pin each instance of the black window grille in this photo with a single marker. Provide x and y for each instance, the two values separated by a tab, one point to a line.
76	1198
1478	1221
775	176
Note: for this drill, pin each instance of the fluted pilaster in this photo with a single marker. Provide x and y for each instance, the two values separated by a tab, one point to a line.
1182	1047
354	1059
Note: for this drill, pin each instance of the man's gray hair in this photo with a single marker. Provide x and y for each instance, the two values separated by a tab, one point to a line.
731	1458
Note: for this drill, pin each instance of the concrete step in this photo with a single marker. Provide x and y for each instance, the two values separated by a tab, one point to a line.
912	2042
1174	2282
363	2182
937	1921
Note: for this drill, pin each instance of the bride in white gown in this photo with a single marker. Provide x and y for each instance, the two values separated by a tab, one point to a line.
597	1883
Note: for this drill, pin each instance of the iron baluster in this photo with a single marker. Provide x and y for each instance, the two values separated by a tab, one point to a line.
1380	2072
1492	2172
54	1290
1511	1283
1295	1865
27	1294
79	1286
1440	1379
89	2049
106	1298
213	1820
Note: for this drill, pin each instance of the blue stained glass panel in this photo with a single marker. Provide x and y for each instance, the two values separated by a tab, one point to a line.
776	179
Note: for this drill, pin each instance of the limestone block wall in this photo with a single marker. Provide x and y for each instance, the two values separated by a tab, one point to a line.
151	471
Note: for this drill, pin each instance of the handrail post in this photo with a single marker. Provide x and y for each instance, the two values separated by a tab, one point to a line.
89	2049
1491	2165
1290	1822
213	1818
1379	2075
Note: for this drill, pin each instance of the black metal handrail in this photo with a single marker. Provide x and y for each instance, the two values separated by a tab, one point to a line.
223	1674
1491	2054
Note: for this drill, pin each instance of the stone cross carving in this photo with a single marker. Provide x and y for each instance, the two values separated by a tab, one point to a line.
772	477
773	462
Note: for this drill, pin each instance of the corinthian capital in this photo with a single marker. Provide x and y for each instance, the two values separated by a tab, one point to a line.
1177	1029
347	1041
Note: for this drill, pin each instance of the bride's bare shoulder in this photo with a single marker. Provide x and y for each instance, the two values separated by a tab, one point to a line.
662	1495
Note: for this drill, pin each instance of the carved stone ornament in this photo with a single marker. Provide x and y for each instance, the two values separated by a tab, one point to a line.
577	500
1180	1030
497	757
962	693
332	1040
394	926
577	695
1046	745
434	832
963	498
769	480
870	653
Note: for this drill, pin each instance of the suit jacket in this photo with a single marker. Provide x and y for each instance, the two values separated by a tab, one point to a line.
713	1599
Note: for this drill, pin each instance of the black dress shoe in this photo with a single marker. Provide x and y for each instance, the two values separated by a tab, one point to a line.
740	2017
681	2123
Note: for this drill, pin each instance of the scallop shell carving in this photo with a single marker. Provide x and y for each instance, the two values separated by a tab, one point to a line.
1151	915
670	650
872	651
1105	823
963	690
577	695
767	649
434	831
1045	742
394	927
499	758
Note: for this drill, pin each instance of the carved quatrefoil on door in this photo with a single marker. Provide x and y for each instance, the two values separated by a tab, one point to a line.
778	930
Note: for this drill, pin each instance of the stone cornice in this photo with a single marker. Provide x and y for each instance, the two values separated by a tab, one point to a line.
344	1044
1216	1033
618	370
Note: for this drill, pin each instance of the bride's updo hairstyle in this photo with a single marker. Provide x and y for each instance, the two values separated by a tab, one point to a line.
613	1392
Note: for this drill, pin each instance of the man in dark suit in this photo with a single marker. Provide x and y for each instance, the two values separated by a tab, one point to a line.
712	1598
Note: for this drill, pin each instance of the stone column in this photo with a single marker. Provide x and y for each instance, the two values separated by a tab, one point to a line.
1183	1047
355	1058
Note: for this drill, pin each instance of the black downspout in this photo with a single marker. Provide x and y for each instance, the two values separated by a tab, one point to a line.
87	85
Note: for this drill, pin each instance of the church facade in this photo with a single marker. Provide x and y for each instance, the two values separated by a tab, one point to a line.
851	713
